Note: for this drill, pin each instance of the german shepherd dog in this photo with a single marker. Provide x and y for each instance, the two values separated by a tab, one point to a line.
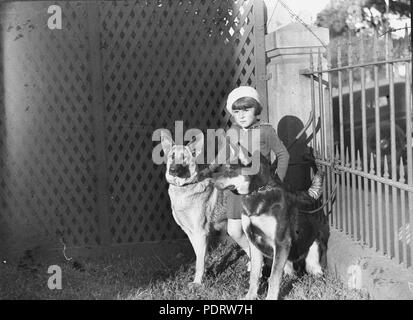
197	206
273	224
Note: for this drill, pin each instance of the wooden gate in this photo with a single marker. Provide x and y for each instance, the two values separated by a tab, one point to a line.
79	106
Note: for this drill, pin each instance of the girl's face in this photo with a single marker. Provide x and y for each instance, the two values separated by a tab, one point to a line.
244	117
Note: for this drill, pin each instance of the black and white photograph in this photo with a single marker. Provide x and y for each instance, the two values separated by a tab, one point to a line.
206	150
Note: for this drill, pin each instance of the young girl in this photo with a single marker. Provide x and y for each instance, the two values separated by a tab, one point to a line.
243	104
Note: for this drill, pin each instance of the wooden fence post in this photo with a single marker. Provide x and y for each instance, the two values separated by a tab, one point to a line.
261	77
102	187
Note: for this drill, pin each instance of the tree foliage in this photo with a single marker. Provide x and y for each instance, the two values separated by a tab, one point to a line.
401	8
343	16
352	24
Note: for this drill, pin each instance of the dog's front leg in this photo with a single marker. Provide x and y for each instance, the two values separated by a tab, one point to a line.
255	274
280	258
199	243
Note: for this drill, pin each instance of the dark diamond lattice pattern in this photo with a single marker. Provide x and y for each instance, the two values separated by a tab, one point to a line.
161	61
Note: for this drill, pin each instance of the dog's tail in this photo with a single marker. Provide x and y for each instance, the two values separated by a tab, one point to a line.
309	196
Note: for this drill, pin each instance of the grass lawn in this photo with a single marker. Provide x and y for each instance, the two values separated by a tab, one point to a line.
128	277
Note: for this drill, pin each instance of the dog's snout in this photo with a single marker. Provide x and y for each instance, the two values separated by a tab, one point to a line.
179	170
221	184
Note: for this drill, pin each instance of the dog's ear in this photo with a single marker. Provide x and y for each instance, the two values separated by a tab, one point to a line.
233	152
240	153
244	156
166	141
196	144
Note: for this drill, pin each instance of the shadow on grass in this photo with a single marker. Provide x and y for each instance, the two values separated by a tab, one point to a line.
132	277
230	256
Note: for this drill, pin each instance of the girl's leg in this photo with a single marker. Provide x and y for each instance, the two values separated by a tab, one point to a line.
235	231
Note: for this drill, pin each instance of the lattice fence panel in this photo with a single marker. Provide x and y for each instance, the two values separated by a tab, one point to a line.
161	61
47	162
164	61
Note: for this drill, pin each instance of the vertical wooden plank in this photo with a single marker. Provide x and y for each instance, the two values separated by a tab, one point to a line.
260	56
98	121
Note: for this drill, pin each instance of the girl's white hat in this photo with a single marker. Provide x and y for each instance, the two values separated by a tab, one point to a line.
241	92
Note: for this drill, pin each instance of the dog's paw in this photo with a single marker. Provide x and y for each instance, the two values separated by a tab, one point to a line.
272	297
195	284
289	269
315	270
250	296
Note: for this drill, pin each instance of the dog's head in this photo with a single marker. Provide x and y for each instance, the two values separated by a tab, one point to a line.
181	167
235	177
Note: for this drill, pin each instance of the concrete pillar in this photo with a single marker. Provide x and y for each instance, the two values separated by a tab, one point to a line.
289	93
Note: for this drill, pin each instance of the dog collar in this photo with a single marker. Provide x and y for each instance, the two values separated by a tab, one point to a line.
191	188
180	182
266	187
